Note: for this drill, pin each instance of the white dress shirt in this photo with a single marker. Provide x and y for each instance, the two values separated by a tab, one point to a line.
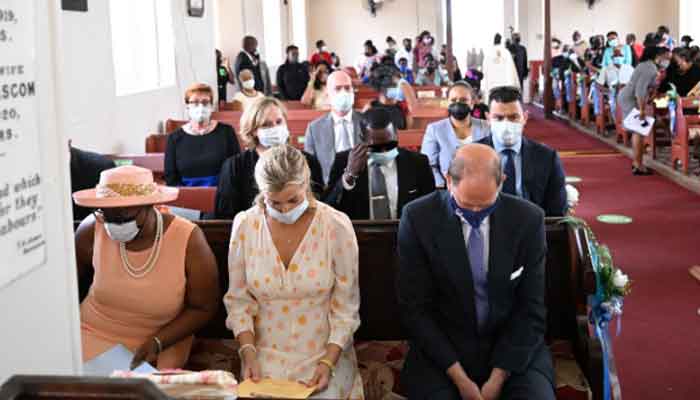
485	227
391	177
340	141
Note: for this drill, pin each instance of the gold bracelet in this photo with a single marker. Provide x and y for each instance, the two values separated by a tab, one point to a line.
328	364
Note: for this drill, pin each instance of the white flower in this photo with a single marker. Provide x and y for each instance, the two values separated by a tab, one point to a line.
572	196
620	280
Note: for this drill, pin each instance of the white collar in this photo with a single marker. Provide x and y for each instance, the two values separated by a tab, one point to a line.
337	120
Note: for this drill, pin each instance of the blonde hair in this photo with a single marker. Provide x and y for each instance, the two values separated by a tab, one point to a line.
253	119
201	88
278	167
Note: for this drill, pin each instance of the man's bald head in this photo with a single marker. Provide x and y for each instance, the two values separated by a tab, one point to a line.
339	82
475	176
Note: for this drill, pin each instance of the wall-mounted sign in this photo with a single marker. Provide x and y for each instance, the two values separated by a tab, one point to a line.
22	240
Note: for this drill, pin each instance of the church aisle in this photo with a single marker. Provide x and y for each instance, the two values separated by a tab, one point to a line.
657	350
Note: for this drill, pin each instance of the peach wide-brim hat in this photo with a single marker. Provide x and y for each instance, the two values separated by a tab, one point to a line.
126	186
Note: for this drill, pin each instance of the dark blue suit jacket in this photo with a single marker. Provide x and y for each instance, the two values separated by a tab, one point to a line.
436	294
543	178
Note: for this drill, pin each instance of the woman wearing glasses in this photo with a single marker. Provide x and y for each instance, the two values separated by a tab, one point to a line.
155	277
195	152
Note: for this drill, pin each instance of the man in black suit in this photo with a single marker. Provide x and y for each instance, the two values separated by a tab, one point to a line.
471	288
534	171
519	53
249	58
376	178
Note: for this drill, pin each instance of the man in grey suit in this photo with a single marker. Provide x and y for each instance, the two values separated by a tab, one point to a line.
340	129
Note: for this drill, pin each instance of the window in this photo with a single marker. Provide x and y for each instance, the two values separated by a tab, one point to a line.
143	45
272	15
299	37
478	34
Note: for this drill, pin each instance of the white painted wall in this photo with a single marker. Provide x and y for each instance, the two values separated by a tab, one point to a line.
40	318
95	118
346	24
623	16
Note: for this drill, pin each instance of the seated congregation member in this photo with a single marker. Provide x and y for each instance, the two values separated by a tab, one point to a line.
321	54
293	299
614	77
431	75
406	71
442	138
85	170
249	58
263	126
377	178
533	170
471	288
247	95
194	153
292	76
337	131
155	278
315	95
682	73
614	43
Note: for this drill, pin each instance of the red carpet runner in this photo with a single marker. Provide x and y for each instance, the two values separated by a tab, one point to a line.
658	351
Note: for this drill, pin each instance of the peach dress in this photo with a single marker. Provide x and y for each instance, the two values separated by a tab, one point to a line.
295	312
120	309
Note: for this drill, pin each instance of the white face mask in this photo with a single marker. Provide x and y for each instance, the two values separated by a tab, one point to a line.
343	101
507	133
274	136
291	216
249	84
199	113
122	233
324	49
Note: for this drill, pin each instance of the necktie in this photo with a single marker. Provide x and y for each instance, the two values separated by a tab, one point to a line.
378	198
475	248
344	136
509	184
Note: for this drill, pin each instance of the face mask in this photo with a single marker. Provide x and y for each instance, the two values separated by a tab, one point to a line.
664	64
459	111
612	43
274	136
407	47
403	69
426	41
473	218
249	84
122	233
507	133
291	216
383	158
618	60
324	49
199	113
342	101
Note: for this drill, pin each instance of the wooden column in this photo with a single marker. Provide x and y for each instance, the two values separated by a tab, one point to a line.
547	68
448	27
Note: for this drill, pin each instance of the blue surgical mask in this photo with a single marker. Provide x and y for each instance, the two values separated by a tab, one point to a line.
473	218
612	43
383	158
343	101
618	60
291	216
394	93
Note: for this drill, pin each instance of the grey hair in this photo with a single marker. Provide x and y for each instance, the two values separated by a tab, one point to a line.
278	167
461	167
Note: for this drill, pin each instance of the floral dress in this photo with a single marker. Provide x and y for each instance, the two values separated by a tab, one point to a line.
295	312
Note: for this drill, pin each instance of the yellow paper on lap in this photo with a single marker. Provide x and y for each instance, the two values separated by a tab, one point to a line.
275	388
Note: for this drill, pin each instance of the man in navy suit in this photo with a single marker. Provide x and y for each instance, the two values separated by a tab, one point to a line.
471	288
533	170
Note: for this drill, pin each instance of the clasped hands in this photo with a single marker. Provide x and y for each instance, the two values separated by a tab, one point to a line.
468	390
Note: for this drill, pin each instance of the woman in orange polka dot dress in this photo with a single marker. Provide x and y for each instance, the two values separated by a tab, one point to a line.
293	300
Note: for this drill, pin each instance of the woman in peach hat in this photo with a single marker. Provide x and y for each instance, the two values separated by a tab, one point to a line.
155	277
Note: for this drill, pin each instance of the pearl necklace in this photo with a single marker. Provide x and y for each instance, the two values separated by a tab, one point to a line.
142	271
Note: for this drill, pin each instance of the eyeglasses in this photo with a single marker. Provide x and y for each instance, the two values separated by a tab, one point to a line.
204	103
113	218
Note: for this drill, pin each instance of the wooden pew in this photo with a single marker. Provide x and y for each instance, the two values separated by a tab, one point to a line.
569	280
572	97
196	198
586	107
680	144
30	387
411	139
422	116
603	117
152	161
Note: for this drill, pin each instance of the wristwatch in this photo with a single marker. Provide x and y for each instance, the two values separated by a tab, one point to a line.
349	180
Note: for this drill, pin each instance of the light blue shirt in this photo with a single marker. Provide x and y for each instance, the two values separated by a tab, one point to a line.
440	143
517	159
608	55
